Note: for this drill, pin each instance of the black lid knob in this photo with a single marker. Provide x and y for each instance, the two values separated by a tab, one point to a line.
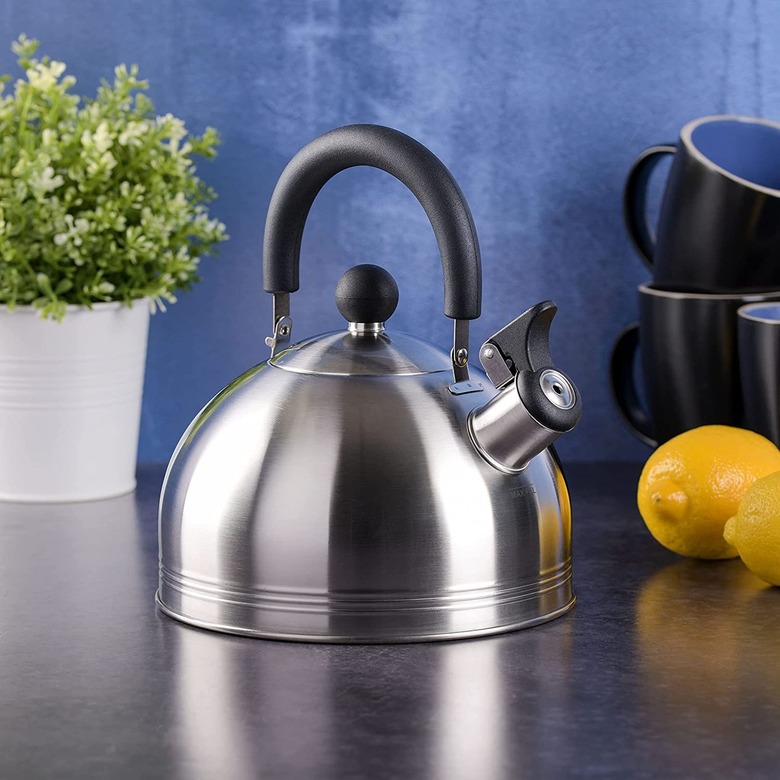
366	293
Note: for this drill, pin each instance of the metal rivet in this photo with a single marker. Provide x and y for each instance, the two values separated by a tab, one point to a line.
462	357
284	330
489	354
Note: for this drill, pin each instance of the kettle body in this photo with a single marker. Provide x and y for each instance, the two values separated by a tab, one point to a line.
354	508
367	486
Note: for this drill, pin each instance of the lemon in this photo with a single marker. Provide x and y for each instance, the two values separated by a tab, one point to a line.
692	484
755	529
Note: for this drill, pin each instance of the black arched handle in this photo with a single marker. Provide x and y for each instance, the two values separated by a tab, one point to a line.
410	162
635	200
624	392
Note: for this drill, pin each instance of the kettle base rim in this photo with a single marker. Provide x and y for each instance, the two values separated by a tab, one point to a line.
519	613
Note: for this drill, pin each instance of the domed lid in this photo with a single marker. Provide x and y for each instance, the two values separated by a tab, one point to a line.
366	296
363	353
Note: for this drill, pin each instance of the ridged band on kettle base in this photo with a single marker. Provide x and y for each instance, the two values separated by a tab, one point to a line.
364	617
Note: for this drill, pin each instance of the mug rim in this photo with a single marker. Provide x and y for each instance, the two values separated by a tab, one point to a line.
749	298
686	137
746	312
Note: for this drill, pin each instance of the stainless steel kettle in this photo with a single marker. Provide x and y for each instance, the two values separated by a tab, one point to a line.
365	485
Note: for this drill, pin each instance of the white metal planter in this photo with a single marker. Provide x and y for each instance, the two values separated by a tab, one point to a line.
70	402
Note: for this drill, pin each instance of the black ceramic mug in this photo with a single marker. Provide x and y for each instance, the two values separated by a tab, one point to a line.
719	225
689	363
758	326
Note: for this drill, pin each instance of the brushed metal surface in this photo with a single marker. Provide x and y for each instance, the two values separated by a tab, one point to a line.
505	433
354	508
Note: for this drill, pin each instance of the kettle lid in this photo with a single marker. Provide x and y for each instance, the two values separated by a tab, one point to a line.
366	296
344	353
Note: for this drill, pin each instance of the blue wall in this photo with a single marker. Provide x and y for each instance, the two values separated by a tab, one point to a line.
538	108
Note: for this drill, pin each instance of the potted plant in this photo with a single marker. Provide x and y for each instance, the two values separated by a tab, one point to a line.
102	220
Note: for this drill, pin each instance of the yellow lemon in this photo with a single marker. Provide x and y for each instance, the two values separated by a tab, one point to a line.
692	484
755	529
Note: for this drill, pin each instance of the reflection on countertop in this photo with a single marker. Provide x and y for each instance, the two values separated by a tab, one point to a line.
438	710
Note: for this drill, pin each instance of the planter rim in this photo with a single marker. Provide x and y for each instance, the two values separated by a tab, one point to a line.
74	307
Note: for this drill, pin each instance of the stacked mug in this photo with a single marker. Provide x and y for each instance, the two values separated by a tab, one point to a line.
709	321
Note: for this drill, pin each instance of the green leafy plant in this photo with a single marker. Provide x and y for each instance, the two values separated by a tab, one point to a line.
99	199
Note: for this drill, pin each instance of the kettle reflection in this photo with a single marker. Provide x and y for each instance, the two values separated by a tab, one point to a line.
432	710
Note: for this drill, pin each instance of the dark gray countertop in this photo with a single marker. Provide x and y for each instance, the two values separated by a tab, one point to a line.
665	668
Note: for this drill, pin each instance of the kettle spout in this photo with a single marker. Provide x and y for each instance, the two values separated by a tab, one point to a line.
536	402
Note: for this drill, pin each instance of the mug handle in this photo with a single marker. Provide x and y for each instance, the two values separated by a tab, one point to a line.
624	392
635	200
